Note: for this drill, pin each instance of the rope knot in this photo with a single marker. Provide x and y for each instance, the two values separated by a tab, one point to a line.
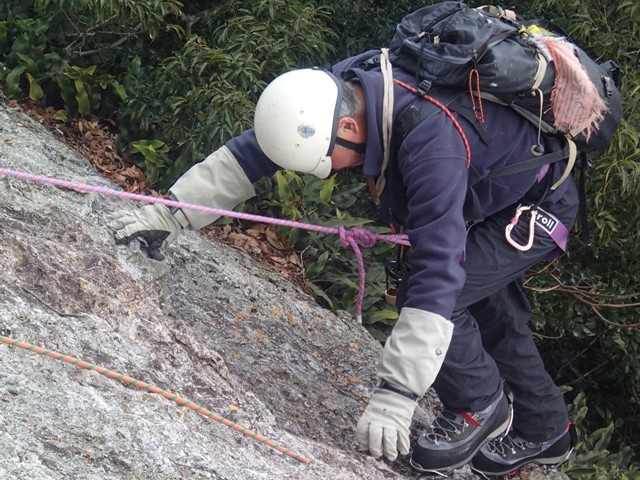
361	236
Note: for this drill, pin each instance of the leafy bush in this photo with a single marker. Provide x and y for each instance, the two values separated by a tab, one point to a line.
330	268
52	48
186	78
204	92
594	460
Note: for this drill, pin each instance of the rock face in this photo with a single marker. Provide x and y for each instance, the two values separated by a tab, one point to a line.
206	324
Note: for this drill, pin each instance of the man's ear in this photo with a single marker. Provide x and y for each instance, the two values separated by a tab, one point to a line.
348	125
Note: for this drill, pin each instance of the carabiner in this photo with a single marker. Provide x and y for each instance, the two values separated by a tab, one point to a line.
396	272
514	221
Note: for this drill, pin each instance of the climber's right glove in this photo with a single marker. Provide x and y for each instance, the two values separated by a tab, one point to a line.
153	225
218	182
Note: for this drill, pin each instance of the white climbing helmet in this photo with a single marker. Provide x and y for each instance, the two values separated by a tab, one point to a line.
296	120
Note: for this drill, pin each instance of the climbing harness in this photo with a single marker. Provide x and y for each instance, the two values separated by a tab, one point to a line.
183	402
396	271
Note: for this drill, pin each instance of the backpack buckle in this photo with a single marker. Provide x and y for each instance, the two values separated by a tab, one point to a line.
424	87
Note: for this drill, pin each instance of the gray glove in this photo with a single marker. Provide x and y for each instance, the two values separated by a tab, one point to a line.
384	425
153	225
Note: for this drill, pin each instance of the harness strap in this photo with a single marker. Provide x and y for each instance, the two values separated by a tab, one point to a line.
585	232
468	114
535	162
553	227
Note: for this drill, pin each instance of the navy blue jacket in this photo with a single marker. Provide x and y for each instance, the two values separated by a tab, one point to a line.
428	181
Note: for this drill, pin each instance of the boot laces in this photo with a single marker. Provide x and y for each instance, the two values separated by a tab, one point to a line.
445	424
509	444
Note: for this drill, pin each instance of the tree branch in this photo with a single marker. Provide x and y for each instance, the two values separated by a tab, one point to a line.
194	18
587	297
118	42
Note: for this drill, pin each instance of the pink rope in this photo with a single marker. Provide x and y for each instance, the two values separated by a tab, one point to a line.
354	237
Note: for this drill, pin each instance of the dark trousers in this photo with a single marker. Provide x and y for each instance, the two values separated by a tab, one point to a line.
491	339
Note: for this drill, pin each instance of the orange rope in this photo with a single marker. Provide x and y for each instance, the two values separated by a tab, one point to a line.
183	402
478	111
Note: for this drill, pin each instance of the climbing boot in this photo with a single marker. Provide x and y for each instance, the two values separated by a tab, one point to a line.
508	454
454	438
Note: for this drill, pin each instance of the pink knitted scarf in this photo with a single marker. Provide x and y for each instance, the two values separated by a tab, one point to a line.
576	103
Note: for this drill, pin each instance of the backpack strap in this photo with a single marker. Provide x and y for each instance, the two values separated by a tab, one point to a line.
387	117
442	105
469	115
585	232
530	164
569	153
499	12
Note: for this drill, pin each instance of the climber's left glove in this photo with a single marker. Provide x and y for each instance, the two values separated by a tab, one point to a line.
411	360
383	428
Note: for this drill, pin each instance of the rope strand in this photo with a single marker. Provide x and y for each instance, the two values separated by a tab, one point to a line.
183	402
354	236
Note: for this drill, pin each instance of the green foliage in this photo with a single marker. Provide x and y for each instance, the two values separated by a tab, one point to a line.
66	51
204	92
365	24
593	460
177	99
107	29
331	269
154	156
188	76
279	35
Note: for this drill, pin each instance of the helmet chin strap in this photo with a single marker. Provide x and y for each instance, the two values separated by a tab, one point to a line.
359	148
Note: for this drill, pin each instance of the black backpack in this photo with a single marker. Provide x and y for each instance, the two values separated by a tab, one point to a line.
450	44
530	66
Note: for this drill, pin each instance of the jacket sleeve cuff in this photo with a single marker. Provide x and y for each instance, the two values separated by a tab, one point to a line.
415	351
216	182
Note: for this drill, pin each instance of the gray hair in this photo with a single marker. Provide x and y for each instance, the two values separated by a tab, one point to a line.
351	105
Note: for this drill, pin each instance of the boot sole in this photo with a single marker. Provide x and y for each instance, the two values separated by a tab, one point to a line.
545	462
